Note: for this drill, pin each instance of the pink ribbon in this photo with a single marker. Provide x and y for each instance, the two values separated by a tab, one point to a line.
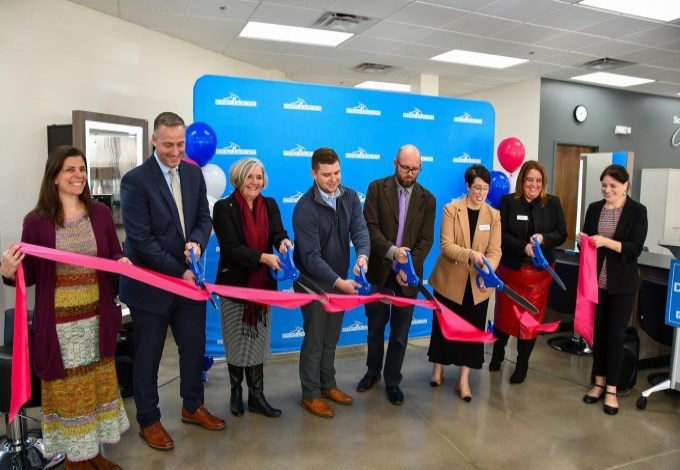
586	291
529	327
453	326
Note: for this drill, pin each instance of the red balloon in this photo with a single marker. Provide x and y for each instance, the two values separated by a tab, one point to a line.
511	153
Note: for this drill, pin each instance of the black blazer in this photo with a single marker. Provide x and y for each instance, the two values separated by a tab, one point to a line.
622	269
548	220
236	258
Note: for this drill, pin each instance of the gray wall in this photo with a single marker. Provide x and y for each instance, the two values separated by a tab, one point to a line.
650	117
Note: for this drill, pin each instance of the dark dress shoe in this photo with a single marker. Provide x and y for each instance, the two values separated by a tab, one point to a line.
156	436
495	365
591	400
367	382
521	369
236	401
317	407
395	395
203	418
610	410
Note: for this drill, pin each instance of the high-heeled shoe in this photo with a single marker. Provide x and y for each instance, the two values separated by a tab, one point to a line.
591	400
610	410
434	383
465	398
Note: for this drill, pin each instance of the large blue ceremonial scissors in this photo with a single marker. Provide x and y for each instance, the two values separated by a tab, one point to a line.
199	276
290	271
413	280
492	281
540	262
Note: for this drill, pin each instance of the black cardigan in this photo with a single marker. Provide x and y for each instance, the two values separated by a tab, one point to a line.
622	269
548	220
236	258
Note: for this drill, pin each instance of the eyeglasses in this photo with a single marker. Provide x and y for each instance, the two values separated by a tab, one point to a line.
408	169
480	189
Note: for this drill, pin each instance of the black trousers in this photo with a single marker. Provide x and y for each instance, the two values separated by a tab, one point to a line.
612	315
187	320
399	318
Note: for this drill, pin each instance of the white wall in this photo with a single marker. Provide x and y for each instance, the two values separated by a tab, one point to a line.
518	109
57	56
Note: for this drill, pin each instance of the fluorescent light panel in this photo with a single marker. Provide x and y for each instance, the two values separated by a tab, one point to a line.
492	61
612	79
277	32
661	10
384	86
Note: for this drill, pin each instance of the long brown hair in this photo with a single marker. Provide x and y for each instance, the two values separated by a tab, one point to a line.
49	204
526	168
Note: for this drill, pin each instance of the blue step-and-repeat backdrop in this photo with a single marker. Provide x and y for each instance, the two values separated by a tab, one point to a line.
281	123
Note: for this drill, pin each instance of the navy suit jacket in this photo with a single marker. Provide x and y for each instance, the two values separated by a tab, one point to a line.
153	232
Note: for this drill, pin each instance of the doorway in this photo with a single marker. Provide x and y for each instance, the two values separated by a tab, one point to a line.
565	180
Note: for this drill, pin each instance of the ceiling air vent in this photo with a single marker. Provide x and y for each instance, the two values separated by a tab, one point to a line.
344	22
605	64
369	67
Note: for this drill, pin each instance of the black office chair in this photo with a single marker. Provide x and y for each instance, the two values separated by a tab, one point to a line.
21	448
564	301
652	317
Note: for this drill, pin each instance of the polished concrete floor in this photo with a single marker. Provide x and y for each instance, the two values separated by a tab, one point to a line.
540	424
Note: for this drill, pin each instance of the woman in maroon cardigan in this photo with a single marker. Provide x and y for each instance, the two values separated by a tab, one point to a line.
75	322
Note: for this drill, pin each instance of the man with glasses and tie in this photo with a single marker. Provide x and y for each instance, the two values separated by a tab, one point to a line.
400	215
166	214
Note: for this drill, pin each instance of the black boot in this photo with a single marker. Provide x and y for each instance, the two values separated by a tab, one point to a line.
236	401
524	348
257	403
498	350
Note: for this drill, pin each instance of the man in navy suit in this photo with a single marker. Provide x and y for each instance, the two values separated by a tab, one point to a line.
165	214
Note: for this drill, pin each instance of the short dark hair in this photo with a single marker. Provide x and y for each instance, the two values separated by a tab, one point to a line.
167	119
477	171
324	155
618	172
49	204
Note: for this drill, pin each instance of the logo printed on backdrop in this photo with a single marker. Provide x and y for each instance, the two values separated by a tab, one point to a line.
418	321
293	199
361	154
426	158
298	332
301	105
297	151
361	108
234	100
466	118
362	197
418	114
234	149
466	159
356	326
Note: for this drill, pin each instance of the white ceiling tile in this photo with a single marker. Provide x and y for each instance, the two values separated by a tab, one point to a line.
670	62
255	45
480	25
155	6
570	59
569	41
425	14
212	26
447	39
372	8
646	55
609	48
370	44
392	30
491	46
469	5
314	4
654	37
418	51
233	9
533	52
572	17
158	20
521	10
285	15
526	33
619	26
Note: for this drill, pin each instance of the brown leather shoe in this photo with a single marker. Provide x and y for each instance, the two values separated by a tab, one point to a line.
202	417
317	407
100	463
156	436
337	395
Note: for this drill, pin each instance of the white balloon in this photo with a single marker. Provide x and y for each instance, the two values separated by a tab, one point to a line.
215	180
211	203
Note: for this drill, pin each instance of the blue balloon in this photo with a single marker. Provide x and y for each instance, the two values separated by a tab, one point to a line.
201	143
500	185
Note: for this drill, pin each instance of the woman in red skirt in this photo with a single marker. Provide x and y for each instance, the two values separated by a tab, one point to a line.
526	214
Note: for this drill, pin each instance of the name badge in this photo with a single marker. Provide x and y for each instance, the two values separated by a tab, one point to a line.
522	217
485	227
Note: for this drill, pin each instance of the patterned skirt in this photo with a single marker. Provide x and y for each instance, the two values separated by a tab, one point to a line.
243	350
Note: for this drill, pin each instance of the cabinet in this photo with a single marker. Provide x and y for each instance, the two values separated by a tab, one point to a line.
660	193
113	146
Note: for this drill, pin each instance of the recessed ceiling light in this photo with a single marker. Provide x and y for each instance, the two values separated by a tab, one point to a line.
612	79
384	86
661	10
277	32
458	56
